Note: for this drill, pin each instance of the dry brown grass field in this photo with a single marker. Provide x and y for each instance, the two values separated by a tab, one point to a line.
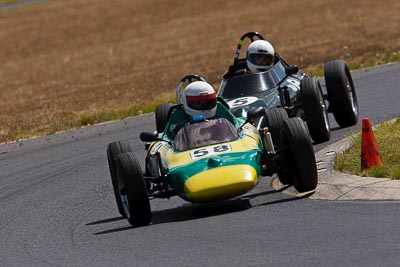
67	63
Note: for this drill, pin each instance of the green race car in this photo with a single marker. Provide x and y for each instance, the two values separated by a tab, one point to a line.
208	161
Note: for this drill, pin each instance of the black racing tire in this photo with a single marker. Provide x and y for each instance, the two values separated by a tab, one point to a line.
300	155
315	110
113	150
342	95
135	199
274	119
162	116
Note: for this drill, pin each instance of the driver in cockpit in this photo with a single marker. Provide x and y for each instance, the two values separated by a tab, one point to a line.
204	127
260	56
199	103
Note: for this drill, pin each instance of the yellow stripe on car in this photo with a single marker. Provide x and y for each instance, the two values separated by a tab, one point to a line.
248	142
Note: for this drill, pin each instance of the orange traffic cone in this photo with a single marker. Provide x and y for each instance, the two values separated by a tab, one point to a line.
369	149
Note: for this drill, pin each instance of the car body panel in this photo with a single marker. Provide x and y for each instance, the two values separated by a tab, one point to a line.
220	183
247	91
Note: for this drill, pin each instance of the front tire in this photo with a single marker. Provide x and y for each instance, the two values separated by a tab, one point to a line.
133	190
275	121
341	93
113	150
315	110
300	155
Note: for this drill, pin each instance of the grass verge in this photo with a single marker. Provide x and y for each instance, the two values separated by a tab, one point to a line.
7	1
356	64
387	136
66	64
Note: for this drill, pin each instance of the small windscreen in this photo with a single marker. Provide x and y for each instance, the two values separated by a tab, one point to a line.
251	84
205	133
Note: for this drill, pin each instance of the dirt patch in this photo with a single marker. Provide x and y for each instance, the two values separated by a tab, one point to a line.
63	60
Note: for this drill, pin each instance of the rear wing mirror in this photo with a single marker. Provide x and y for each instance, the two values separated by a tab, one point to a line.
253	115
149	136
291	70
152	137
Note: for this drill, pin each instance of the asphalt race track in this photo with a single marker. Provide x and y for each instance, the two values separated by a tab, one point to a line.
57	207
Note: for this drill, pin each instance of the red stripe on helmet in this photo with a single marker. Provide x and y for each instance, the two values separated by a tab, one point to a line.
201	97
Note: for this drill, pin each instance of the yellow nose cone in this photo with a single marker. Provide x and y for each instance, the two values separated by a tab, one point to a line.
220	183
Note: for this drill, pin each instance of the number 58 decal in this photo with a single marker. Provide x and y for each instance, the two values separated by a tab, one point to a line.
208	151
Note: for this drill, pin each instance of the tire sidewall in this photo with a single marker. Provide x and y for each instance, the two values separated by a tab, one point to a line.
161	116
113	150
300	155
315	110
338	82
130	176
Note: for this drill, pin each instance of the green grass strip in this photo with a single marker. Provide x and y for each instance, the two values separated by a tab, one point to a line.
387	136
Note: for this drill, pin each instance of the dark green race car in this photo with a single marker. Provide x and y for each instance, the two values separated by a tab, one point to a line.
290	88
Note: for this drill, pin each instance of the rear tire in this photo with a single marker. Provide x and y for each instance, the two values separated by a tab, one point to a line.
134	195
113	150
315	110
162	116
300	155
341	93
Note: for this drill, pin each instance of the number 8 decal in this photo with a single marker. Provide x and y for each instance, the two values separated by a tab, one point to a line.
221	148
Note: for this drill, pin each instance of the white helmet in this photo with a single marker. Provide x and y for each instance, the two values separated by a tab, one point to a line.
260	56
200	99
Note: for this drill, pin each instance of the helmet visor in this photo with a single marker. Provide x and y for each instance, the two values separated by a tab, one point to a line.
261	59
202	102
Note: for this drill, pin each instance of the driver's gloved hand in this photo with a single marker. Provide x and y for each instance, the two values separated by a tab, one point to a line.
196	119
